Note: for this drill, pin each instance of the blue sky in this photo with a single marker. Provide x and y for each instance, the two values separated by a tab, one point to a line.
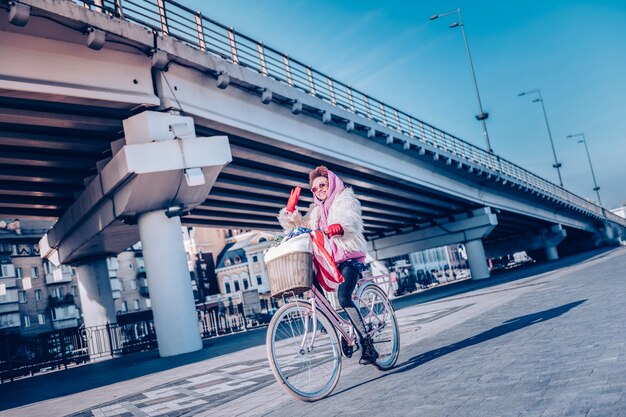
574	51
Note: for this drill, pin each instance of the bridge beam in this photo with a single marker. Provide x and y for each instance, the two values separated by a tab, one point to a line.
275	124
546	239
124	82
468	228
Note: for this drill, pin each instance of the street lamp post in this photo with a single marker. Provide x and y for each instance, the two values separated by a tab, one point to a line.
482	116
556	164
596	188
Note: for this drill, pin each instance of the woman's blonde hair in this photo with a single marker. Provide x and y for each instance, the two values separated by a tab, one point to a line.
320	171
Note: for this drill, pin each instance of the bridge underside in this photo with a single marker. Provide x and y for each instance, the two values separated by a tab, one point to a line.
48	150
56	129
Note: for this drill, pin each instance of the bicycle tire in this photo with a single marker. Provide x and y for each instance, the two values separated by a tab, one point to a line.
284	340
381	315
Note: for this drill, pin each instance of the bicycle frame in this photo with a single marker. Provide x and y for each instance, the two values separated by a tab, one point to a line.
319	302
306	356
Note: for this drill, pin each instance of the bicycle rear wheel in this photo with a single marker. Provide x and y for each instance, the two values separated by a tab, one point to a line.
303	351
380	322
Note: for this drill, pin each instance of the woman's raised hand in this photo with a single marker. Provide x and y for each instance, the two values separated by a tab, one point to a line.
293	199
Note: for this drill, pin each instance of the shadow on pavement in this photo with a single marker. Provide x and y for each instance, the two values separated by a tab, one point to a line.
508	326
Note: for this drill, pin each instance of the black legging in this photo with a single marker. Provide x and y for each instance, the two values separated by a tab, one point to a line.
344	294
351	276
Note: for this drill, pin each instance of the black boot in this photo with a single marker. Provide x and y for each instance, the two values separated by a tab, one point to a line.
346	348
369	354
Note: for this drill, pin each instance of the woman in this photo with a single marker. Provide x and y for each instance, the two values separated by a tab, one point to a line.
337	212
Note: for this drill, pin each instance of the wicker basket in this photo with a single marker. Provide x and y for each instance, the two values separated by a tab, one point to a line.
292	272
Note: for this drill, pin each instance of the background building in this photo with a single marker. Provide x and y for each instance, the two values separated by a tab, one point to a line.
426	268
129	284
447	263
203	246
241	272
35	296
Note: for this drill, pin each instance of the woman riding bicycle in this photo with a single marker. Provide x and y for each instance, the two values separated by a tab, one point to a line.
337	212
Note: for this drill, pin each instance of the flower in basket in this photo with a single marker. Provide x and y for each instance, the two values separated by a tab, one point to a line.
276	241
297	232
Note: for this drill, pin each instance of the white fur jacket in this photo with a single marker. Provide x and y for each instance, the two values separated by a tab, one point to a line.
345	210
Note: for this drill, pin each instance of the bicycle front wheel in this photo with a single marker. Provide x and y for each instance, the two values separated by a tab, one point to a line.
303	351
380	321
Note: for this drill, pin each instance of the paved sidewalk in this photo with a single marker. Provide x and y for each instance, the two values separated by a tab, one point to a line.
557	349
538	341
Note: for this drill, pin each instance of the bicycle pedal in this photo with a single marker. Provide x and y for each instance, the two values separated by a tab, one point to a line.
347	350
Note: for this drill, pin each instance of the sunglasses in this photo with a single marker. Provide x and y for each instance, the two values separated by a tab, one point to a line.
321	186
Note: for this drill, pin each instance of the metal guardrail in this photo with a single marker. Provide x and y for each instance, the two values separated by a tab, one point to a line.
22	356
170	18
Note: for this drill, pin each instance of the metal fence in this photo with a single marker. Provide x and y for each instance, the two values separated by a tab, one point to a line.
170	18
22	356
27	355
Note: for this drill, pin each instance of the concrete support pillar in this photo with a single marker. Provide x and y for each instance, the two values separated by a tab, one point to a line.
171	295
96	298
98	308
477	259
552	253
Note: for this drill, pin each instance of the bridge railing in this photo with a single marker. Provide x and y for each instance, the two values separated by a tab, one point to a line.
170	18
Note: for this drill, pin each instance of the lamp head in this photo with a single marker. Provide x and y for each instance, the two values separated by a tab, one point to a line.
95	38
435	16
536	100
453	25
18	13
574	135
521	94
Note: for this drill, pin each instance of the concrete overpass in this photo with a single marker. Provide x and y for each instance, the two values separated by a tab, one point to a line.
104	109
